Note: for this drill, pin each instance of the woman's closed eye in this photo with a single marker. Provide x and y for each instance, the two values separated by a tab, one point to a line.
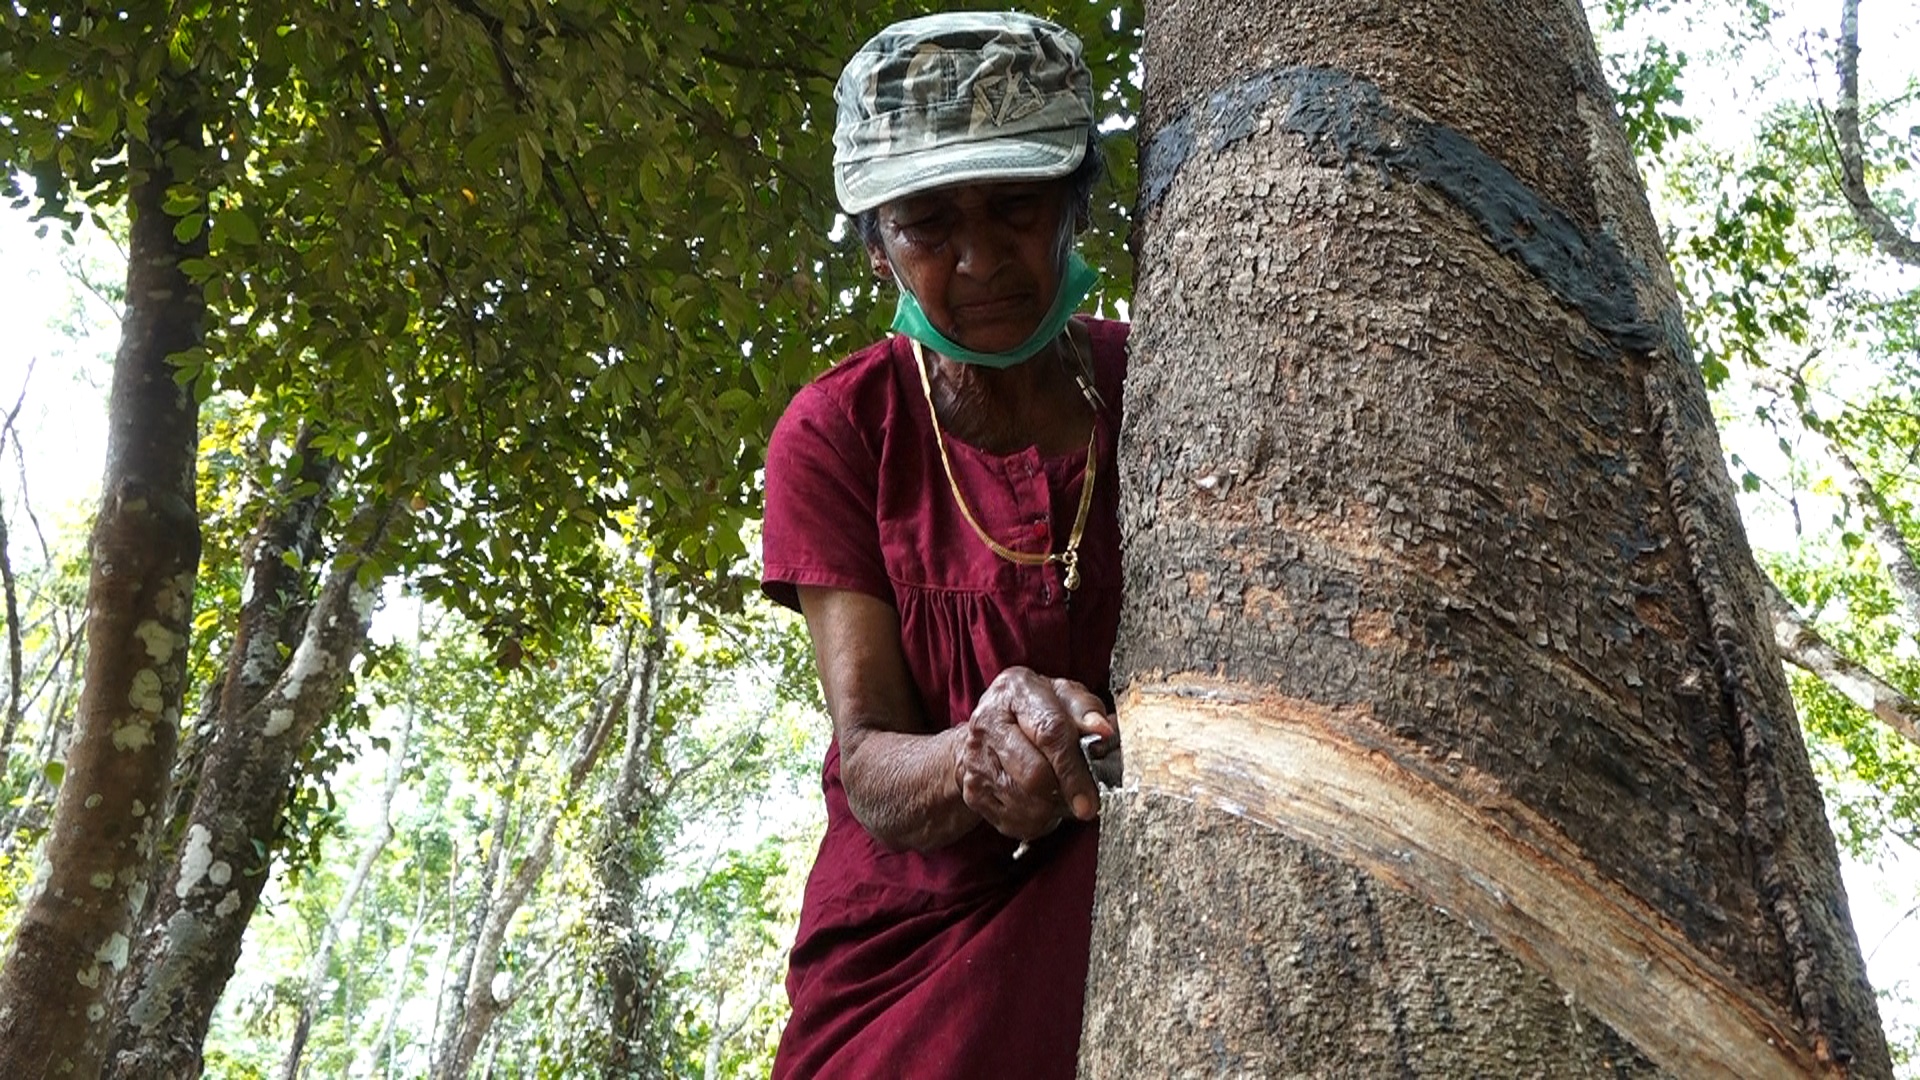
925	230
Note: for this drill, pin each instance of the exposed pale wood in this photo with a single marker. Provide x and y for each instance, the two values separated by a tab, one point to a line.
1413	434
1450	837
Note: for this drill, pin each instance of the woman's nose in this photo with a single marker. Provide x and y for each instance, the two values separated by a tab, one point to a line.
980	248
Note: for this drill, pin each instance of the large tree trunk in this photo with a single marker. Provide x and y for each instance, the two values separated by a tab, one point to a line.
144	552
1456	744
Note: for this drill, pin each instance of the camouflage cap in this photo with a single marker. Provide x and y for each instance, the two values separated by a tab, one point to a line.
947	99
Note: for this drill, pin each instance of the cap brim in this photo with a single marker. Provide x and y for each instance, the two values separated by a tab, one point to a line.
1033	155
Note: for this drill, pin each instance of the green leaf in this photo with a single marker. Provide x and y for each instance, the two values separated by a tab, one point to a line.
233	226
529	152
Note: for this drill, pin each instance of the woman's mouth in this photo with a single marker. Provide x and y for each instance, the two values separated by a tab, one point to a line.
992	307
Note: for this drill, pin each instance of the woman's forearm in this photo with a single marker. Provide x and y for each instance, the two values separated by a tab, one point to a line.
905	788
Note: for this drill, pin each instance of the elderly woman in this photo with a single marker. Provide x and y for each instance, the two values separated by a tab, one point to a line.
941	508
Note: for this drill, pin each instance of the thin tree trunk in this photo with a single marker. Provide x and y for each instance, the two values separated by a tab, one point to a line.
16	661
626	962
193	934
717	1037
1902	568
1454	741
1879	228
349	896
397	996
480	1005
145	550
458	973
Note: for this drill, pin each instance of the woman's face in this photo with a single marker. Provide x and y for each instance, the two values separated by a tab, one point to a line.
984	260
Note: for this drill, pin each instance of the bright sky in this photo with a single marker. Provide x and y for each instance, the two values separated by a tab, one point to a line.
56	354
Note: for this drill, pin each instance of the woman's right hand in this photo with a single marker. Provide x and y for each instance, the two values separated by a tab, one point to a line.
1021	765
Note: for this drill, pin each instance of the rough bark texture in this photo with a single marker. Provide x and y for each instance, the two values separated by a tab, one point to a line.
1434	570
1322	970
191	936
144	551
626	959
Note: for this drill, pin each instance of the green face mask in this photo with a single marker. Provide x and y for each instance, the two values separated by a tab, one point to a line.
1075	284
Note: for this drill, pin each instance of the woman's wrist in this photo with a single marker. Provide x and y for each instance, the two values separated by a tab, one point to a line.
905	789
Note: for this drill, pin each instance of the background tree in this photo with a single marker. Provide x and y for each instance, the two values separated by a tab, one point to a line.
1455	741
443	180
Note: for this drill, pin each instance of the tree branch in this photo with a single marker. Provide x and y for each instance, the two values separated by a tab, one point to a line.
349	896
480	1005
495	29
16	663
20	466
1802	646
1880	228
1901	566
749	63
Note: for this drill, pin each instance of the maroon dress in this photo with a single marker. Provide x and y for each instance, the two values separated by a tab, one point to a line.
960	962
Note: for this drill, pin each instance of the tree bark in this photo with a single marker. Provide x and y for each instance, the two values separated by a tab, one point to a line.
1455	743
16	658
481	1005
1902	568
192	935
16	661
144	552
381	1048
462	948
627	961
1879	227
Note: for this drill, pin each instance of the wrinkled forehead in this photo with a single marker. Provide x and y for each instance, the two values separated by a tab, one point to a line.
973	194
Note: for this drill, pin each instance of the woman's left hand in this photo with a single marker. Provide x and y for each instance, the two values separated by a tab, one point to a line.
1021	765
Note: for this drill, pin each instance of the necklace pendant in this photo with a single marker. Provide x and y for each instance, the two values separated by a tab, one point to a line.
1071	560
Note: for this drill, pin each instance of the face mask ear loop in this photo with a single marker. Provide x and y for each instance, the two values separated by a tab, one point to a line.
1063	247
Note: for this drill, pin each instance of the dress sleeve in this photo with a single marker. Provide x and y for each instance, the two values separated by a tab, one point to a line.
821	526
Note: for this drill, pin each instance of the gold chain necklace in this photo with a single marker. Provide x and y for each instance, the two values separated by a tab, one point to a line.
1069	558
